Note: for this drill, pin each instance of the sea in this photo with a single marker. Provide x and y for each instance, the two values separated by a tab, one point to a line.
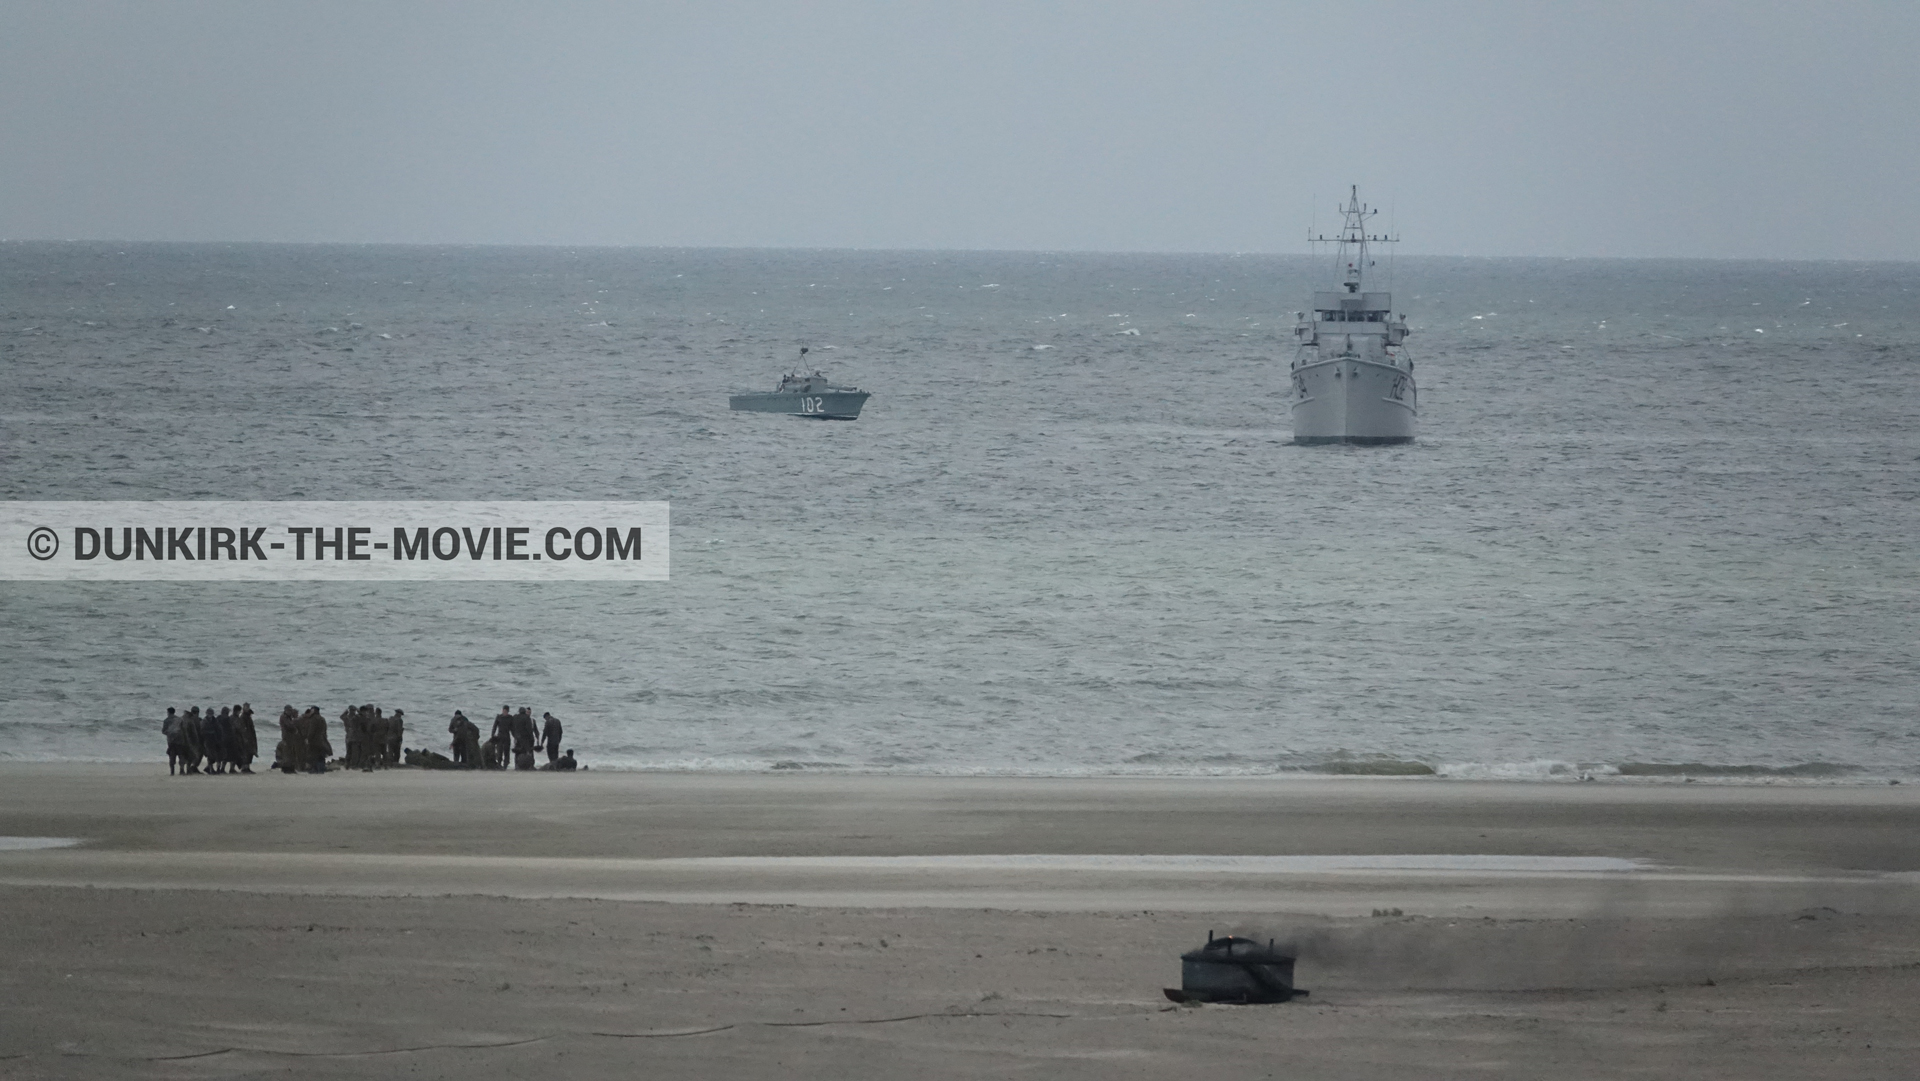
1660	521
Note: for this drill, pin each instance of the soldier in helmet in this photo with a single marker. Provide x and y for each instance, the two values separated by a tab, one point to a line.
249	737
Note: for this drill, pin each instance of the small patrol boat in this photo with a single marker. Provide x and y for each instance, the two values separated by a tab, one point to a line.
1352	378
805	395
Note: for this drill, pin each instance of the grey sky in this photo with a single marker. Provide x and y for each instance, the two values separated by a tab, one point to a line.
1716	129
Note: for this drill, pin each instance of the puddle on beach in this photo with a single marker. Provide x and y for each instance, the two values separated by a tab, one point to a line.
15	844
1259	865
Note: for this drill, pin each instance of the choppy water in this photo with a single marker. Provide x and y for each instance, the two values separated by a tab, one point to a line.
1660	512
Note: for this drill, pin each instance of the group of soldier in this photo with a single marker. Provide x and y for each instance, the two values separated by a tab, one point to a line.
223	742
226	742
304	747
514	738
373	737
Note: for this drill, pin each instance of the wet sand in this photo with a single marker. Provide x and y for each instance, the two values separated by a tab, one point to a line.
608	924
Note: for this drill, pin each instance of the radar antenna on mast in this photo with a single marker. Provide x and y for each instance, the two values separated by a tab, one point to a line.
1353	236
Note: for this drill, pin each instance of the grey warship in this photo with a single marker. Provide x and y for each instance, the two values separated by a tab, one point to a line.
804	395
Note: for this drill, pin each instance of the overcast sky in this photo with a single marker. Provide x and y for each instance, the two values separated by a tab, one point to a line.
1684	128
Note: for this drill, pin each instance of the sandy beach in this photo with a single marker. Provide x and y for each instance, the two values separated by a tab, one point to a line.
797	925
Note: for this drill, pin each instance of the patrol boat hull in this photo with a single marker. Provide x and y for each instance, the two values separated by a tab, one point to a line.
824	405
1349	400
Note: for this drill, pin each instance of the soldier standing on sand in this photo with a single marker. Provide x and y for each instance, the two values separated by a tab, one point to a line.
218	740
550	736
396	735
249	737
303	749
206	742
209	728
176	746
349	740
229	740
190	736
469	739
502	726
383	747
230	736
316	750
322	746
373	737
501	739
207	739
457	746
525	738
286	757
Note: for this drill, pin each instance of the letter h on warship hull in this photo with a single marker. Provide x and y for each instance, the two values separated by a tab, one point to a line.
1352	379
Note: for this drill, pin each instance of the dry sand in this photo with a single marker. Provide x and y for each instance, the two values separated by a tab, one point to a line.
582	926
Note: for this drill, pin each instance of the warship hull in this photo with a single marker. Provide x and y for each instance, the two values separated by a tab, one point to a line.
825	405
1352	378
1349	400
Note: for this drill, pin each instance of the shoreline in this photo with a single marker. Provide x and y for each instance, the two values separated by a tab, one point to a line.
1636	773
